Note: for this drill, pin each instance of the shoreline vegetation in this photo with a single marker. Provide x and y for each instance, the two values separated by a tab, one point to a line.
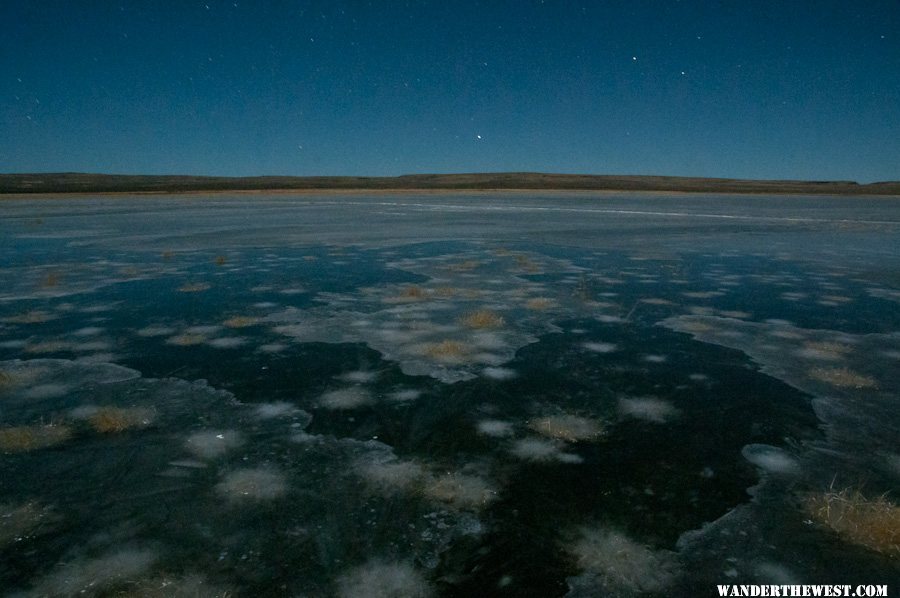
79	183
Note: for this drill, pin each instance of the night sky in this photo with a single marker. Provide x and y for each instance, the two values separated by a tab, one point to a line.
752	89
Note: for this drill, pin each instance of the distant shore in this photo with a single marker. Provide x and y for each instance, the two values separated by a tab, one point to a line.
19	185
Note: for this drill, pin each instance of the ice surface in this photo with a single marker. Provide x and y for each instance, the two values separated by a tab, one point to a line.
416	323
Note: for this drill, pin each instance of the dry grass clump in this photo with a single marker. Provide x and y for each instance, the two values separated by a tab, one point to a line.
52	346
51	280
447	351
409	294
186	340
6	381
482	318
194	287
130	271
570	428
540	303
872	523
842	378
695	326
527	264
465	266
786	334
824	350
113	420
240	322
21	439
414	292
829	347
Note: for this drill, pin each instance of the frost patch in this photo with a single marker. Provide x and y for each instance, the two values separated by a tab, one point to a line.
648	409
598	347
771	459
252	485
352	397
542	451
209	444
495	428
618	564
382	579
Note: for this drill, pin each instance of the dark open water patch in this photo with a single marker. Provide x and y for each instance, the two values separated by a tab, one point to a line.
284	420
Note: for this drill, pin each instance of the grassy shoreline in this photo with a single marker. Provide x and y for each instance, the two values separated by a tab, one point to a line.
17	185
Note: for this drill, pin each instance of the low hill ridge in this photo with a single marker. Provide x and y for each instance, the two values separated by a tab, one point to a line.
72	182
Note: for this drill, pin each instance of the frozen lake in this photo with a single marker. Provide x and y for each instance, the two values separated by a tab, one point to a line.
447	395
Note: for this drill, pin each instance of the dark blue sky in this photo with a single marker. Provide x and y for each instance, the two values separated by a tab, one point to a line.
756	89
